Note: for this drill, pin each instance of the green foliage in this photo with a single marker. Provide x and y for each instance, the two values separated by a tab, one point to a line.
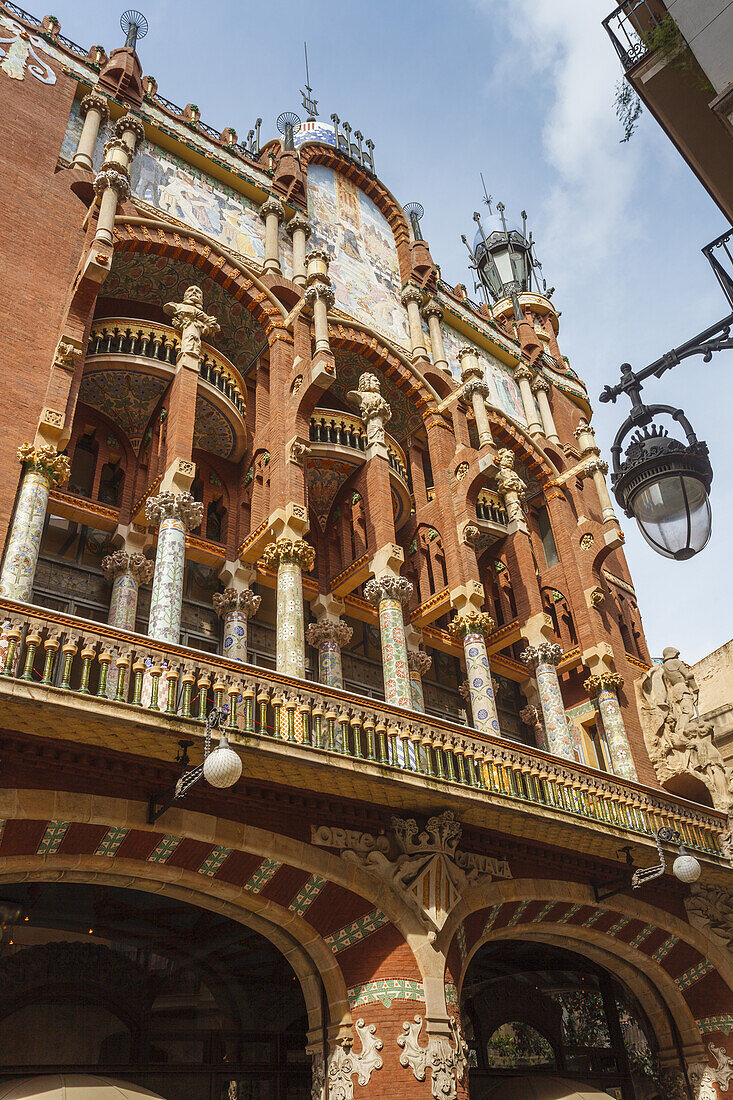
666	39
519	1044
628	108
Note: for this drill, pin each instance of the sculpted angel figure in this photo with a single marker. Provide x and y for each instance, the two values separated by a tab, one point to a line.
191	321
375	412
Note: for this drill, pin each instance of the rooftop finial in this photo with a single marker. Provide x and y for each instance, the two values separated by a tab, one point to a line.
309	103
134	25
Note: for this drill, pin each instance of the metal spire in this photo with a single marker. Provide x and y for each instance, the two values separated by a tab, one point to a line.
309	103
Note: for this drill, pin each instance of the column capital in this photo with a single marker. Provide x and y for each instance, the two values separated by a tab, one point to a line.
388	587
539	384
272	206
94	101
181	506
411	293
114	177
329	632
476	386
298	222
232	599
471	622
419	661
296	551
317	262
324	291
595	466
605	681
433	309
137	565
46	461
130	124
546	653
188	318
522	373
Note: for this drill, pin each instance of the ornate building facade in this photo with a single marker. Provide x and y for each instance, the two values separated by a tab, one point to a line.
265	471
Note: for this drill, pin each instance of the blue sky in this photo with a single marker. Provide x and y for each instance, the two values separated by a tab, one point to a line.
523	92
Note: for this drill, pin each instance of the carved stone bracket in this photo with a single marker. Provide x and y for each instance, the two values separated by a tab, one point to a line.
388	588
704	1078
179	505
289	550
447	1061
66	355
343	1064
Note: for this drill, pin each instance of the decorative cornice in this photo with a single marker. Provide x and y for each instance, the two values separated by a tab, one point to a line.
181	506
137	565
45	461
329	632
296	551
388	587
231	599
546	653
474	622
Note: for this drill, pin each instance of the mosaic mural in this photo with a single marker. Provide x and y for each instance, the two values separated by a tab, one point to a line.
169	183
349	365
212	431
158	279
364	266
504	394
128	398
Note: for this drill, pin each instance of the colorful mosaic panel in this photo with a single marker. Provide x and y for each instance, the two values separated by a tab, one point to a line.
385	991
235	636
109	843
461	940
503	390
21	556
451	993
356	931
214	860
664	949
51	840
325	476
394	654
618	742
618	926
694	974
165	848
329	664
290	626
307	894
641	936
123	602
723	1024
170	563
483	702
570	914
212	431
596	916
364	267
127	398
259	880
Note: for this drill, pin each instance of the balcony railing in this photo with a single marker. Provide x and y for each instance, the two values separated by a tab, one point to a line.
490	508
121	336
63	656
331	426
629	27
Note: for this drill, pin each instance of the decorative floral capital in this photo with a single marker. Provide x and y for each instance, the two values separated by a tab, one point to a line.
297	551
272	206
320	290
329	632
595	465
298	221
419	661
606	681
411	294
46	461
132	124
115	178
530	716
433	309
583	426
522	373
546	653
540	385
476	386
98	102
137	565
388	587
179	505
230	599
474	622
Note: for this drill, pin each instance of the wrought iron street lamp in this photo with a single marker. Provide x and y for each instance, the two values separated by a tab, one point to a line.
662	482
221	767
504	260
685	867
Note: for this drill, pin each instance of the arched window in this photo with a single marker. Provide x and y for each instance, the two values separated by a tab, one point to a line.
516	1044
83	466
215	521
111	483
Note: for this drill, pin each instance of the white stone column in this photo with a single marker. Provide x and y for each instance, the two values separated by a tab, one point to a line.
43	469
476	390
419	663
319	295
471	628
411	299
131	130
329	636
112	185
543	659
175	513
235	607
523	376
291	557
272	213
595	467
603	688
540	388
95	109
127	572
299	231
433	313
389	592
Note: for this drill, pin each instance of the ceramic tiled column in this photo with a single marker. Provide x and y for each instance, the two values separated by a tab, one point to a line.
471	629
390	592
543	660
291	557
235	607
329	636
418	662
127	572
44	468
603	688
175	513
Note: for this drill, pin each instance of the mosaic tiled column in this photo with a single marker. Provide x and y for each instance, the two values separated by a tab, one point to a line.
329	636
418	662
603	689
530	716
127	572
471	629
291	556
44	468
543	659
235	607
175	513
390	593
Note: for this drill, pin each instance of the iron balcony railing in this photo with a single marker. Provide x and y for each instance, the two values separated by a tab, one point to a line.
59	656
345	430
629	27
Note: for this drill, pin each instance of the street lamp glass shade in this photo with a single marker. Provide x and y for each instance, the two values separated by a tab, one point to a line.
674	515
686	868
222	767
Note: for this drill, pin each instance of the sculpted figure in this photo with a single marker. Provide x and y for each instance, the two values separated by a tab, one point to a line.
191	321
510	485
375	412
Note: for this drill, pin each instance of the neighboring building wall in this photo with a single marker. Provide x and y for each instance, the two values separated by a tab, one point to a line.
714	675
708	30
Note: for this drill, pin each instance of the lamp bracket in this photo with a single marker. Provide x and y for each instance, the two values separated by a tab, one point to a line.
159	803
